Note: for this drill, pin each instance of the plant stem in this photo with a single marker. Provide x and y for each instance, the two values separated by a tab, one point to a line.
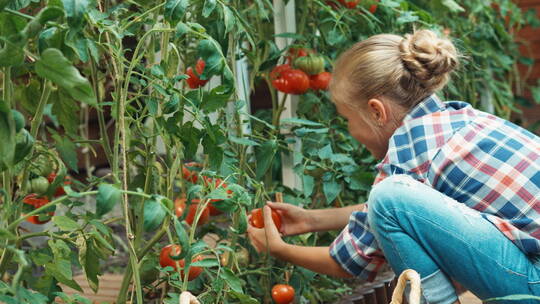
105	143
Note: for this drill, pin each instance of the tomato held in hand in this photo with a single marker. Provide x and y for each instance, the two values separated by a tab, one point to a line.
257	218
165	260
320	81
283	293
292	81
180	206
194	81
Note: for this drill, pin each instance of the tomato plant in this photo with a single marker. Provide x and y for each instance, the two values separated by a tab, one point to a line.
113	99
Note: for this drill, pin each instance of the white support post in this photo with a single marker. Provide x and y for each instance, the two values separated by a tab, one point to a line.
285	22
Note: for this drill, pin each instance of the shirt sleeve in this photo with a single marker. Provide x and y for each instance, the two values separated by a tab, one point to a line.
356	250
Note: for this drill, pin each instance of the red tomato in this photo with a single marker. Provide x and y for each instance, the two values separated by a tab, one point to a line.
194	81
213	210
373	8
278	69
34	200
320	81
189	175
292	81
60	190
35	219
349	3
180	206
295	52
165	260
257	218
283	293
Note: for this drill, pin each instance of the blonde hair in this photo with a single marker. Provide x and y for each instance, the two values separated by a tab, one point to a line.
405	69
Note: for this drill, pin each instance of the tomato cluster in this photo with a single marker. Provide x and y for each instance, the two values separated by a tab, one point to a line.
167	258
211	209
40	190
304	70
194	81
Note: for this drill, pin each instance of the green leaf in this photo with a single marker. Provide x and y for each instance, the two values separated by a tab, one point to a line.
7	136
154	213
243	141
55	67
243	298
308	183
206	263
175	10
210	52
331	190
75	10
208	8
25	142
453	6
6	235
407	17
228	18
12	53
182	237
300	121
65	109
242	221
265	156
89	260
65	223
108	196
67	150
233	281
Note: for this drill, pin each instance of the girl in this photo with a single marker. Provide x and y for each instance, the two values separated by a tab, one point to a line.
457	195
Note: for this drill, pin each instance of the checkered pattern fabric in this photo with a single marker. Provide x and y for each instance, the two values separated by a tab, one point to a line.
476	158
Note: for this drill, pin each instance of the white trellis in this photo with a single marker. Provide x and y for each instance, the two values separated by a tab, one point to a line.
285	22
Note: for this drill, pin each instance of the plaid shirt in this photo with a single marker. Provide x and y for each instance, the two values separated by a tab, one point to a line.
475	158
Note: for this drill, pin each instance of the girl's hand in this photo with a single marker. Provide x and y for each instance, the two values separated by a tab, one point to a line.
267	238
294	220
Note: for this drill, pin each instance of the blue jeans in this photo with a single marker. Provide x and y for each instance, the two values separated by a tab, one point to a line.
420	228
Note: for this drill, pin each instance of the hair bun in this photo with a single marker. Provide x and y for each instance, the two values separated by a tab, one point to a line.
428	58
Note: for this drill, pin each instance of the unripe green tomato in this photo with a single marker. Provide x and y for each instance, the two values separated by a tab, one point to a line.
38	185
44	166
311	64
19	120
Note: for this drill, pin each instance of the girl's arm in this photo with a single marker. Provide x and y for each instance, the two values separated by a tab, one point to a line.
297	220
317	259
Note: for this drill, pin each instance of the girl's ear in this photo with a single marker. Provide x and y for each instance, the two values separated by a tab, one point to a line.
377	111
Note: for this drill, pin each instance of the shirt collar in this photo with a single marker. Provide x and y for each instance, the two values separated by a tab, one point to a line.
429	105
